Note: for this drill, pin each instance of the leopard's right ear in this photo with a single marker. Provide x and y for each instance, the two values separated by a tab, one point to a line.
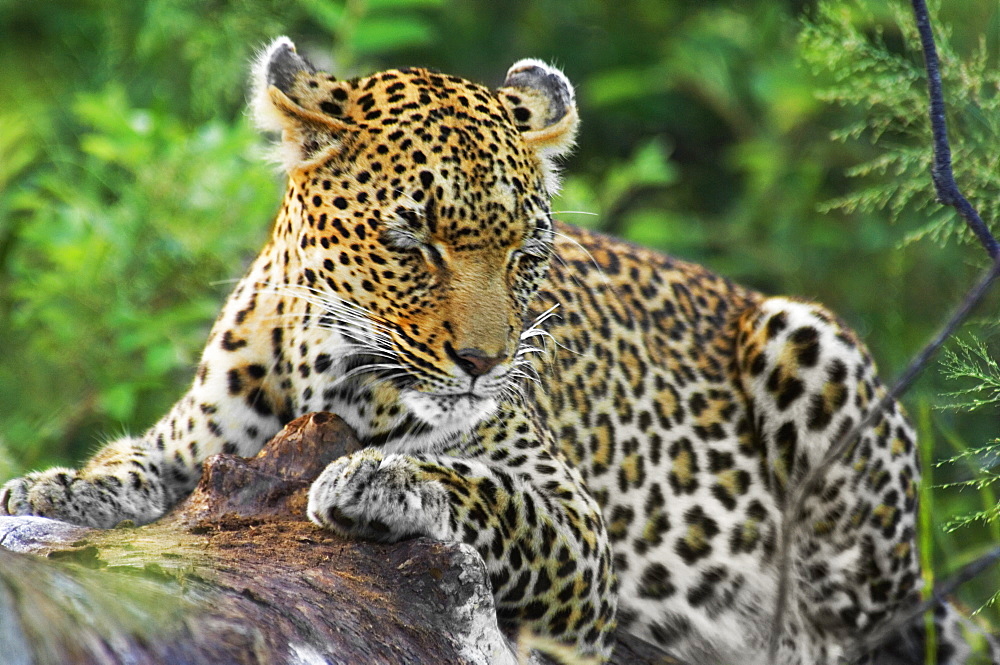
305	105
542	104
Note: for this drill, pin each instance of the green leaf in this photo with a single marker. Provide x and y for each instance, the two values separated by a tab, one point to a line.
327	14
378	35
160	359
621	86
119	401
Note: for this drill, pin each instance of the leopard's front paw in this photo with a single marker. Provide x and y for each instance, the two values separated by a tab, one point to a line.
42	493
378	497
63	495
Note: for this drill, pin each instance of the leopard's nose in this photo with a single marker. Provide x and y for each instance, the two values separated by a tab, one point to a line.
476	362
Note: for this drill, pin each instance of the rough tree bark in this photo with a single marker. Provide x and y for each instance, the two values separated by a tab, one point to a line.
237	574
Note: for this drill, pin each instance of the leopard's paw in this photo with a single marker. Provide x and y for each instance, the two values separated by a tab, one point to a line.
62	494
378	497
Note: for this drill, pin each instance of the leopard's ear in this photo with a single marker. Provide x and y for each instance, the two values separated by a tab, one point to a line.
305	105
540	99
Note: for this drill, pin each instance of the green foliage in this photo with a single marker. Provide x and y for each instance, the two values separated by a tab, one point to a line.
846	41
110	271
984	462
971	361
621	192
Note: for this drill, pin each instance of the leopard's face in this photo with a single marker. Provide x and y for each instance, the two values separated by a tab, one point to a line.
418	214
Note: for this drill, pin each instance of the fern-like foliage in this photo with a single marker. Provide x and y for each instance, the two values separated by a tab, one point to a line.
845	44
972	362
985	464
984	467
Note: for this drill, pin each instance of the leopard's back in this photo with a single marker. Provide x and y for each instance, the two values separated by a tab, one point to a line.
689	405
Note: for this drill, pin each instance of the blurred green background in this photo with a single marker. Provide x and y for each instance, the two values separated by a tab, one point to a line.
782	143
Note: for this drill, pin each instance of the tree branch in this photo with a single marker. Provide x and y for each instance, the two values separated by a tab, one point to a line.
948	194
235	574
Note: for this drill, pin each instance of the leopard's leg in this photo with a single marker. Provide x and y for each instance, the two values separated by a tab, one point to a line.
503	492
227	409
808	381
139	478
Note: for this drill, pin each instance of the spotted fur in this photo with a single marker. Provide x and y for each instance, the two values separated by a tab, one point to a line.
614	430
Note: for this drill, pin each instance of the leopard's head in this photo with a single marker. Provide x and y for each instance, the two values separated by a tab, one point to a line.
418	211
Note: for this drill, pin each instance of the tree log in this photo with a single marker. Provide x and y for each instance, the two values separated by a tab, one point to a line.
237	574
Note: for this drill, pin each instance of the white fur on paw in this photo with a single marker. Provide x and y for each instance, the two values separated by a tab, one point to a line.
380	498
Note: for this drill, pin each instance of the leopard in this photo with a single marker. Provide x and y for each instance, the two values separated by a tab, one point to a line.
615	431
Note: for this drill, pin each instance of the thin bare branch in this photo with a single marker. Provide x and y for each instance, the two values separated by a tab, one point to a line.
948	192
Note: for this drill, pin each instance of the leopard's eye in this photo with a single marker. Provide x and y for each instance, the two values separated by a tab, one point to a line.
432	253
408	243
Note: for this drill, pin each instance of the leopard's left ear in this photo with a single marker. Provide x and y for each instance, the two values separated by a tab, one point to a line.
291	97
540	99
